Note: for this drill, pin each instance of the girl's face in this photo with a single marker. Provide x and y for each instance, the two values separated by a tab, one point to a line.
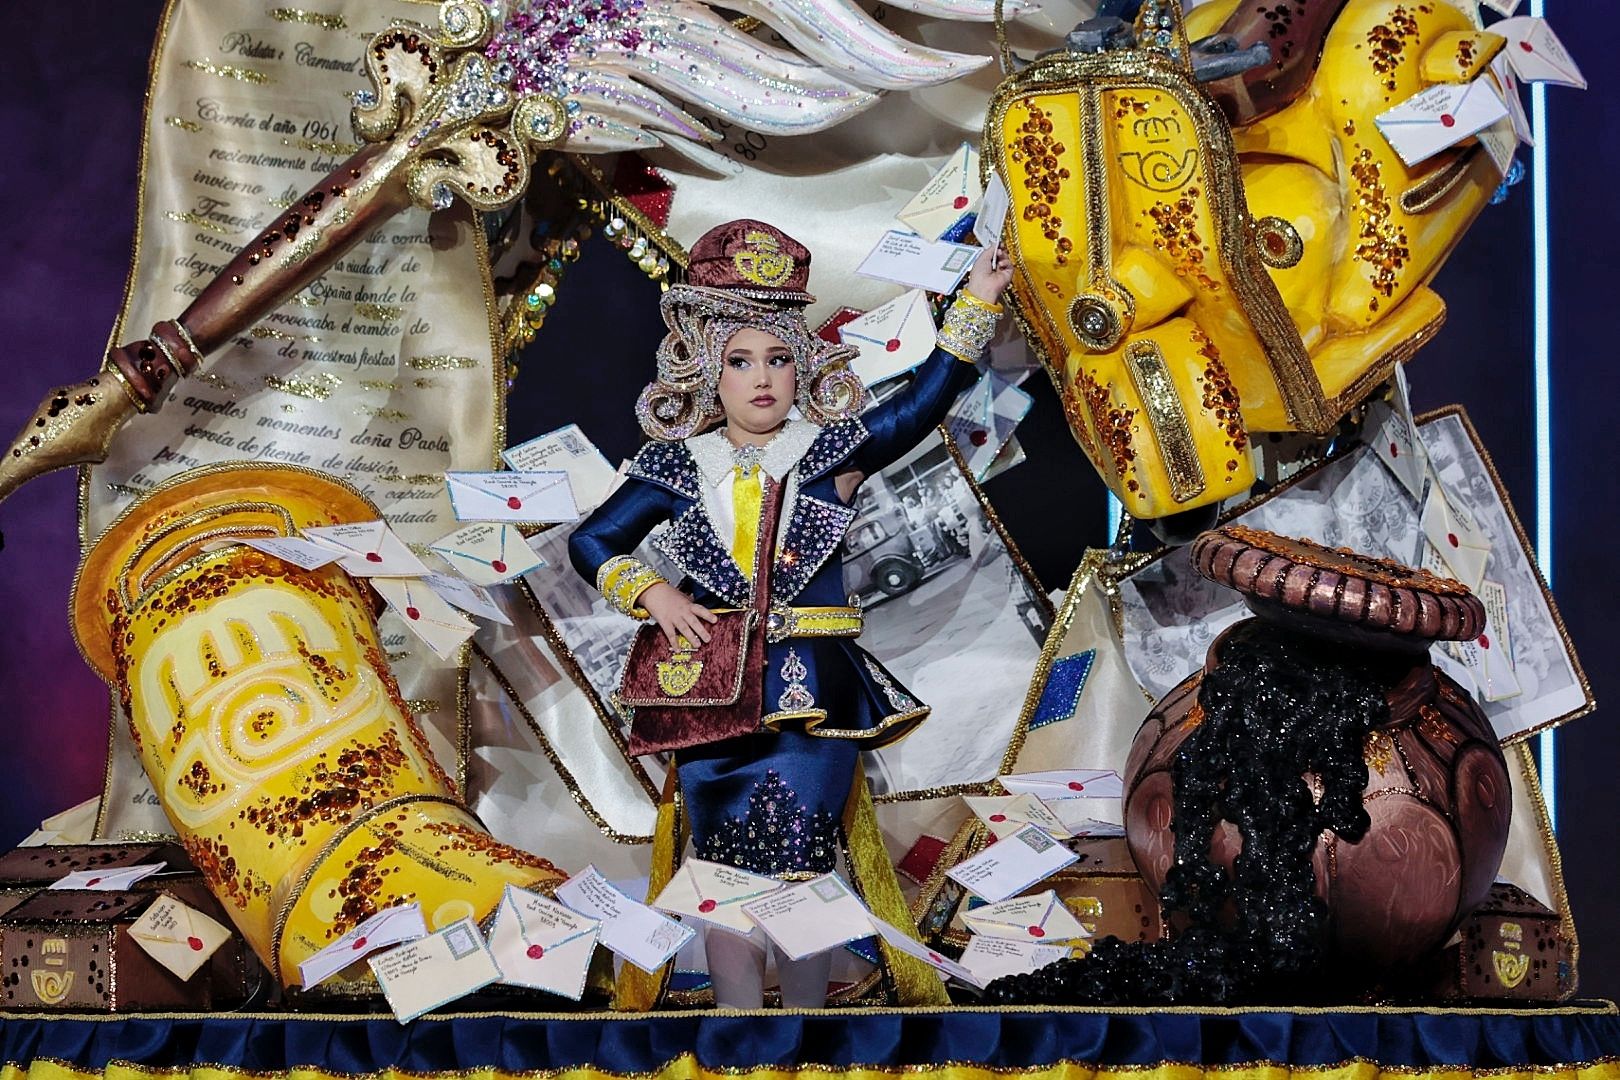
758	380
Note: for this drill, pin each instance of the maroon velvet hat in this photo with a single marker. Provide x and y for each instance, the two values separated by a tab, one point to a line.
752	258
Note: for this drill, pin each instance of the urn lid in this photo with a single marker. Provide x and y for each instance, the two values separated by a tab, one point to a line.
1356	591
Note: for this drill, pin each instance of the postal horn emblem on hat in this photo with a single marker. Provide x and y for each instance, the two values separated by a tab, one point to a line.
762	260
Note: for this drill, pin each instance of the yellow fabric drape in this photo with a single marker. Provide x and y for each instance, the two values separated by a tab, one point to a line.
747	494
687	1067
873	871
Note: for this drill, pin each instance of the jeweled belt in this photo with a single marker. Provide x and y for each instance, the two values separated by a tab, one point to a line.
801	622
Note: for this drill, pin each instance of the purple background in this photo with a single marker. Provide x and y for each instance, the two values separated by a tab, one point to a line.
71	106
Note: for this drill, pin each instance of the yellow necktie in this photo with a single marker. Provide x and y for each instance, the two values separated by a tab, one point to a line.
746	496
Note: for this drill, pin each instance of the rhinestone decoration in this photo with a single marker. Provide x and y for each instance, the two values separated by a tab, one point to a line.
832	447
669	465
899	700
778	835
692	545
797	696
815	530
546	42
968	327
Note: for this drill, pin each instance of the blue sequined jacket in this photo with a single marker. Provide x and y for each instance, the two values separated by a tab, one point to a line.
853	696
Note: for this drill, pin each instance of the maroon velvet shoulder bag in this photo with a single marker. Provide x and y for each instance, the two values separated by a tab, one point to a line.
702	692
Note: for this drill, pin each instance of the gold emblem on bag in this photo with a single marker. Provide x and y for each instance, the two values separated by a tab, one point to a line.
763	261
678	674
1511	968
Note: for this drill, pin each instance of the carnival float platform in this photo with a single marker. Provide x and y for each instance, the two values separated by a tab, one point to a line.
1576	1042
1548	428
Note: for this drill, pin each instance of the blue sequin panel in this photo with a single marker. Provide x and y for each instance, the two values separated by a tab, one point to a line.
1061	695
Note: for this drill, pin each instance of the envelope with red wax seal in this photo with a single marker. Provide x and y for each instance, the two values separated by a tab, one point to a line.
544	496
947	198
178	936
368	549
1042	917
542	945
1067	784
1536	53
1006	814
715	893
487	552
1440	117
892	338
428	615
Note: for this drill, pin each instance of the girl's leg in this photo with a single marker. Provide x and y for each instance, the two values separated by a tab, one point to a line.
737	969
804	982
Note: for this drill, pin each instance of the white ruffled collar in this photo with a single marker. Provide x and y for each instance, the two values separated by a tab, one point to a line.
715	457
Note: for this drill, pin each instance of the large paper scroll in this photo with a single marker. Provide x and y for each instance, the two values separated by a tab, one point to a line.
383	371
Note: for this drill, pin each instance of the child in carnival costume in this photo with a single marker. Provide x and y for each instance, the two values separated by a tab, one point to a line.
738	357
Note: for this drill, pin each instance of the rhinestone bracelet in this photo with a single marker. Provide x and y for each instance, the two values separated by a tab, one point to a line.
622	579
968	327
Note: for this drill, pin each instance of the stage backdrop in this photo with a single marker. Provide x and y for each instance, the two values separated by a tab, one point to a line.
71	101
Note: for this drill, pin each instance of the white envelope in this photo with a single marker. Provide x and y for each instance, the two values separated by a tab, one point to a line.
590	474
1082	827
1536	53
714	894
1027	918
113	878
1502	7
1462	546
892	338
368	549
388	927
487	552
1489	657
811	917
1507	84
434	970
473	599
1008	867
1394	439
305	554
630	928
1011	454
990	958
1067	784
428	615
178	936
1440	117
947	198
992	213
908	259
897	938
511	496
984	419
540	944
1006	814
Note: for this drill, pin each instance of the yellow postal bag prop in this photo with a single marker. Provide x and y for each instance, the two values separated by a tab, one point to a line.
1188	281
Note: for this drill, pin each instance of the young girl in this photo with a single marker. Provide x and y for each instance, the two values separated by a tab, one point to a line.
738	357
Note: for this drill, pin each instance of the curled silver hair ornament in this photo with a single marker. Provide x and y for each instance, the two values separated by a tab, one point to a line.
684	398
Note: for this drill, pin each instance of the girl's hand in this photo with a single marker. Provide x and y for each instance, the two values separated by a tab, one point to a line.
676	613
990	275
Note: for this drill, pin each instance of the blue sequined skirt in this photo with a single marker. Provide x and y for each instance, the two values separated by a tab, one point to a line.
773	803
